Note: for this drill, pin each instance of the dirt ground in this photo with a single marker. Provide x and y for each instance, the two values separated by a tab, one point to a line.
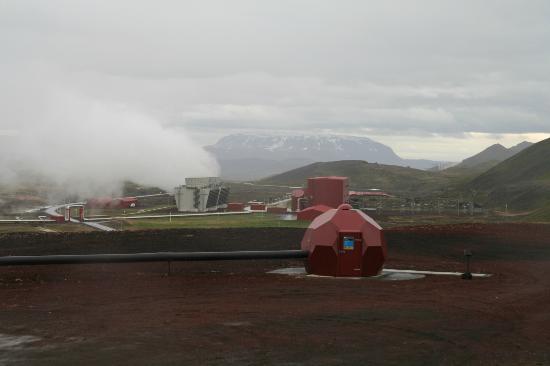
220	313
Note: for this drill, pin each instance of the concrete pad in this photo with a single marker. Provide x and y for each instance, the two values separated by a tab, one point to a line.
411	271
384	276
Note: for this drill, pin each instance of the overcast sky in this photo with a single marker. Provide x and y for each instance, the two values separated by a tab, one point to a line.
432	79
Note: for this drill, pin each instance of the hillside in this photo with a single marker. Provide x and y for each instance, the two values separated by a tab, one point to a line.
252	168
522	181
486	159
363	175
540	215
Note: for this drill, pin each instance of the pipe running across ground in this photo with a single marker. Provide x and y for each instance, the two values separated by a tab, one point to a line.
150	257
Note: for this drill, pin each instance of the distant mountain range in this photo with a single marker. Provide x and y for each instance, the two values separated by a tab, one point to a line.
243	156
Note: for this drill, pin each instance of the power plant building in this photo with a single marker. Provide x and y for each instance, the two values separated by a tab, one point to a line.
325	191
201	195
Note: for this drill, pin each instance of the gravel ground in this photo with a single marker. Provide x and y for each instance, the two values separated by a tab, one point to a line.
234	313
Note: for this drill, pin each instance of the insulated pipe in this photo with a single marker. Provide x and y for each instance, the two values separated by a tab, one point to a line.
150	257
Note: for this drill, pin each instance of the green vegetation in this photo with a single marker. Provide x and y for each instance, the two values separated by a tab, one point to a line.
522	182
392	179
540	215
17	228
221	221
245	192
142	209
130	188
42	228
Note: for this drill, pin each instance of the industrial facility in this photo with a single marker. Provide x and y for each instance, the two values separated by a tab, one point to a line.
201	195
342	242
324	193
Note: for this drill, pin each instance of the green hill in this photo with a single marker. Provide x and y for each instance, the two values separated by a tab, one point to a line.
522	182
484	160
541	214
392	179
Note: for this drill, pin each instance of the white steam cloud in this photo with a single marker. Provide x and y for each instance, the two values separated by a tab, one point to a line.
89	146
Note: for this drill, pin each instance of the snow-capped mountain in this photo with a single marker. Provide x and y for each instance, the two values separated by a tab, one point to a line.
244	156
310	147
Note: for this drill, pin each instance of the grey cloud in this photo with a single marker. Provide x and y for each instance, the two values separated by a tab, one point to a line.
418	67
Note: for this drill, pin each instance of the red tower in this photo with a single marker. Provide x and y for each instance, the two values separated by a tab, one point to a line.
328	191
344	242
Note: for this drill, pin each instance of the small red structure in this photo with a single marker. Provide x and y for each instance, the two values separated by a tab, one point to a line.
344	242
125	202
277	210
67	213
81	213
58	218
99	202
327	191
297	200
108	202
235	207
257	207
310	213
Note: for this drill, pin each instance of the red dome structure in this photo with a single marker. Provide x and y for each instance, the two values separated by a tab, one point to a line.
310	213
344	242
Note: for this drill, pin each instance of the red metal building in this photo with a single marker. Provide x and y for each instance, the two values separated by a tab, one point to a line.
257	207
328	191
108	202
235	207
344	242
321	191
125	202
277	210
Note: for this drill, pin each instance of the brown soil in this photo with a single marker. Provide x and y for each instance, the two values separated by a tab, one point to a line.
219	313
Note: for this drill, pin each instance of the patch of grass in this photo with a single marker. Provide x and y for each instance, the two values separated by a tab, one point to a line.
19	228
223	221
242	192
155	209
362	175
540	215
43	228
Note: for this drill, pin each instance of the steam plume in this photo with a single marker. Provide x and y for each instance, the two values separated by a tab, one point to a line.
90	146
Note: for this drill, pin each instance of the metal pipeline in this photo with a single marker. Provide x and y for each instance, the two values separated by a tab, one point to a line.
149	257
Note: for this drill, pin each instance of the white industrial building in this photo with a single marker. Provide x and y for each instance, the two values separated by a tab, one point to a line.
201	195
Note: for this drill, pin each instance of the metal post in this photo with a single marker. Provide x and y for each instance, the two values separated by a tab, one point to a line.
467	275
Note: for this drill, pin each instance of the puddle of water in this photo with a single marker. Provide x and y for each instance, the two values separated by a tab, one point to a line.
384	276
290	271
237	324
12	343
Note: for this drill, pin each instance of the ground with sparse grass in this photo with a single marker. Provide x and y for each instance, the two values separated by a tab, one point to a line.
43	228
254	220
234	313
